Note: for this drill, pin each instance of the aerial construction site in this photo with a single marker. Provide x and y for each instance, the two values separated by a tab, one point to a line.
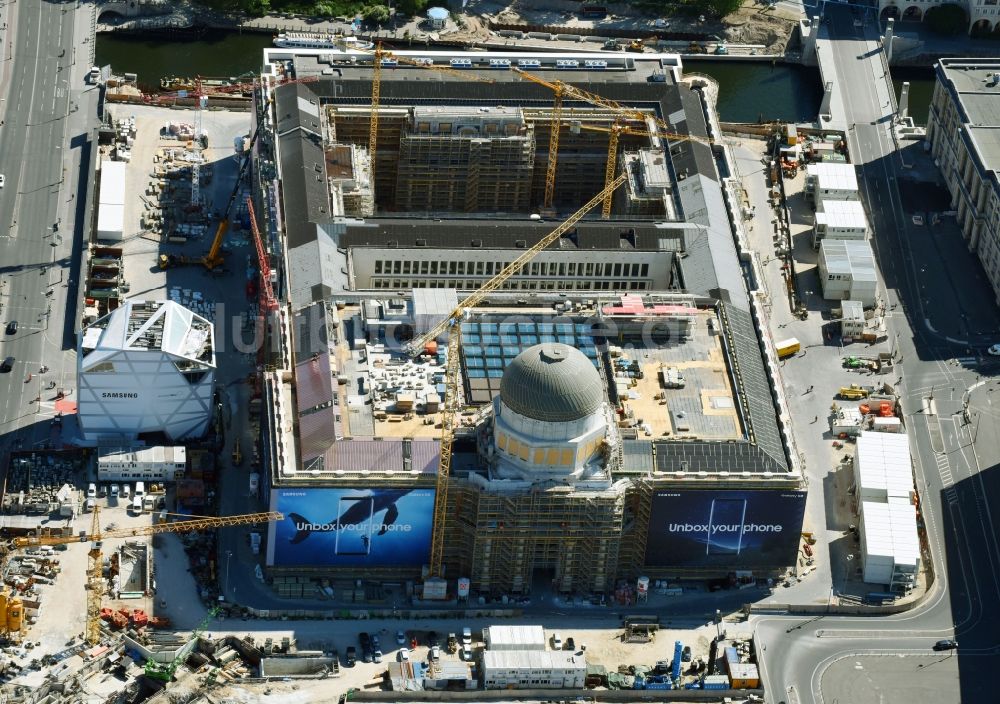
520	351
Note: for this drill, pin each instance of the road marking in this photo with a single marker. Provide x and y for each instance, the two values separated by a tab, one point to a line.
944	469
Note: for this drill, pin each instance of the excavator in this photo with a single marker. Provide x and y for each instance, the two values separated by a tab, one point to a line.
214	259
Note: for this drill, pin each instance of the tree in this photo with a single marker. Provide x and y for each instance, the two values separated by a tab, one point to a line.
375	14
723	7
410	7
259	7
946	19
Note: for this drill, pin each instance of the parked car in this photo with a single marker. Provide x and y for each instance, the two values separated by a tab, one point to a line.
377	655
432	639
366	655
92	491
434	653
364	639
404	654
467	653
352	655
571	644
466	636
11	327
686	654
557	643
400	638
126	490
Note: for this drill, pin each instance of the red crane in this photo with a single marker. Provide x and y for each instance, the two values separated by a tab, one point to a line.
268	302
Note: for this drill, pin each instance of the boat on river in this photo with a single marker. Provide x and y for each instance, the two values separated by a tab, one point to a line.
310	40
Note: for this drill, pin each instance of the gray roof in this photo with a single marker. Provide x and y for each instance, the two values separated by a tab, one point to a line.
703	456
505	234
552	382
755	388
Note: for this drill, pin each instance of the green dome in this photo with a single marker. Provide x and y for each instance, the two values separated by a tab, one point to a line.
552	382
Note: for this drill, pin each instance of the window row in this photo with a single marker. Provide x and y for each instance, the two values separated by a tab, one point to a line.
510	285
489	268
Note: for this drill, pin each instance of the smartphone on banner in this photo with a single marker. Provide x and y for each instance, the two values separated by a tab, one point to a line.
725	526
354	537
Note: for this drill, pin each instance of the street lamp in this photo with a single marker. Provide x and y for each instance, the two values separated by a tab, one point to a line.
229	554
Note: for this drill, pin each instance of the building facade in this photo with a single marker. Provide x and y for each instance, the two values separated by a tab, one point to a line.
983	15
847	271
160	463
146	367
532	669
962	129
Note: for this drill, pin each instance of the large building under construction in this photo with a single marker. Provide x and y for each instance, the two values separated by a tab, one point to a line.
619	414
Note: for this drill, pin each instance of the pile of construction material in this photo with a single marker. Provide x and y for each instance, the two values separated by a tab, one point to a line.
194	301
35	480
183	131
137	619
124	139
174	205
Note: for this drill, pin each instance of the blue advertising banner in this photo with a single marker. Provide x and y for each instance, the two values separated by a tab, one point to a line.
734	529
352	527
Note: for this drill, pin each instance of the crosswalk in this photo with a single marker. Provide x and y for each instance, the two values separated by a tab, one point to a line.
944	469
951	495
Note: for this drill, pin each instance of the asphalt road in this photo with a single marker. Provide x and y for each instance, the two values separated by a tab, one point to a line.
932	292
45	107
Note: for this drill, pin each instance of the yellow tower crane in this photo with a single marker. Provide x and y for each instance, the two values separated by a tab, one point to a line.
614	132
95	580
382	57
565	91
452	325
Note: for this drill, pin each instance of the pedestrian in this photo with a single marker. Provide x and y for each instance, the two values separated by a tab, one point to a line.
809	390
815	419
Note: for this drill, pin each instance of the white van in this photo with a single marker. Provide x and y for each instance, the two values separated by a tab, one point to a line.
140	489
136	504
92	491
125	491
89	506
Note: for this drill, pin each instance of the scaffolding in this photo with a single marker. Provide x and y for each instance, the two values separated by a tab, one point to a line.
574	534
579	173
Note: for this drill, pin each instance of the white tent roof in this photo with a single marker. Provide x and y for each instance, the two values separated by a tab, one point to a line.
883	464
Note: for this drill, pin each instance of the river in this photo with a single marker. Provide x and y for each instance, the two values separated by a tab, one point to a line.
748	92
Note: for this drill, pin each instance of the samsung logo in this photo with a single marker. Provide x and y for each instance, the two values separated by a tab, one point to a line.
119	394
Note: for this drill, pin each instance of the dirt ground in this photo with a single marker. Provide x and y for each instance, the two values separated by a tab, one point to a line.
752	24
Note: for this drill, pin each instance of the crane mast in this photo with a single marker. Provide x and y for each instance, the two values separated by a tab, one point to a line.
453	324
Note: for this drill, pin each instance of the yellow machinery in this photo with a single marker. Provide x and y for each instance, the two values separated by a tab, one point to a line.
452	325
614	132
214	258
382	57
95	581
563	91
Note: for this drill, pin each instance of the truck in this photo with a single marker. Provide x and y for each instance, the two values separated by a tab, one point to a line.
853	392
786	348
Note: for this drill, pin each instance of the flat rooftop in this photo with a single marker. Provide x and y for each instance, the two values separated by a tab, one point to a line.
976	85
667	360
